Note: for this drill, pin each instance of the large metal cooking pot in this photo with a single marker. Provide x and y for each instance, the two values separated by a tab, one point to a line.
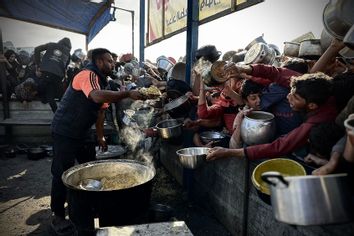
178	107
170	128
164	64
115	206
177	72
258	127
310	200
291	49
260	53
310	49
338	17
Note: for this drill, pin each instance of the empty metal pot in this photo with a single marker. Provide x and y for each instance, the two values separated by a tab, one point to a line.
260	53
164	64
178	107
310	200
310	49
259	39
338	17
258	127
178	71
170	128
291	49
192	157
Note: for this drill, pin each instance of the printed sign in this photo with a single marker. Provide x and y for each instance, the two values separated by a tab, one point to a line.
209	8
155	19
175	15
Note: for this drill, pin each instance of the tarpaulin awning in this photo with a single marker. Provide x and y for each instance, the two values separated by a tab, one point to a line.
86	17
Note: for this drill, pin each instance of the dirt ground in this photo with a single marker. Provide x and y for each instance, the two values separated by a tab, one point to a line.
25	199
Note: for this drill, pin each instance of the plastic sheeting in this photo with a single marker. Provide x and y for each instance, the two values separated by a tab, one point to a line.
86	17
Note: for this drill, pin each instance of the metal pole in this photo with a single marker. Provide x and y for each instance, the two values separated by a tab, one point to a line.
132	12
192	35
142	32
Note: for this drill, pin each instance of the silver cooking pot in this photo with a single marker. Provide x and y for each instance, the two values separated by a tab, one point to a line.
258	127
338	17
178	107
259	39
291	49
169	128
164	64
260	53
310	200
118	202
310	49
178	71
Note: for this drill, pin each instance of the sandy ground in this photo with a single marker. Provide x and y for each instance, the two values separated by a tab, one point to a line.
24	199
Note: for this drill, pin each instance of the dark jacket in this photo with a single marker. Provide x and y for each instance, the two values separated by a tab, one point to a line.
56	58
76	113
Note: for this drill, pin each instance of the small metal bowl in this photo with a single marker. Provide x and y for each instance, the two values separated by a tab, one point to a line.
192	157
91	185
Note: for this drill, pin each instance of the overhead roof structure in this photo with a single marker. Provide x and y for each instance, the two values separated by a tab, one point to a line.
85	17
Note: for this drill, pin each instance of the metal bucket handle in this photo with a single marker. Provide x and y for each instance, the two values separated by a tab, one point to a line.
273	178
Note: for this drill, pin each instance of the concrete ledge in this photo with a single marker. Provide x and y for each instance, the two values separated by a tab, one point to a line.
219	187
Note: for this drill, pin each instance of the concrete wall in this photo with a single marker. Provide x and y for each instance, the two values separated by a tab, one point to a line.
219	187
28	134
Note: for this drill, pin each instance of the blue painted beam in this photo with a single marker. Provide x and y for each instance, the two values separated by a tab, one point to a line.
192	36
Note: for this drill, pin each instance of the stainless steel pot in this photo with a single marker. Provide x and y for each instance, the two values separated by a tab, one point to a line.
178	107
120	206
338	17
208	79
178	71
192	157
291	49
258	127
164	64
310	49
240	56
275	49
170	128
310	200
260	53
259	39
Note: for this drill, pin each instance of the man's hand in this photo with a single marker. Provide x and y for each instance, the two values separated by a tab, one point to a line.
217	153
191	124
102	145
136	95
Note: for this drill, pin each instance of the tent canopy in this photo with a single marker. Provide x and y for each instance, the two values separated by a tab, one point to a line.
86	17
